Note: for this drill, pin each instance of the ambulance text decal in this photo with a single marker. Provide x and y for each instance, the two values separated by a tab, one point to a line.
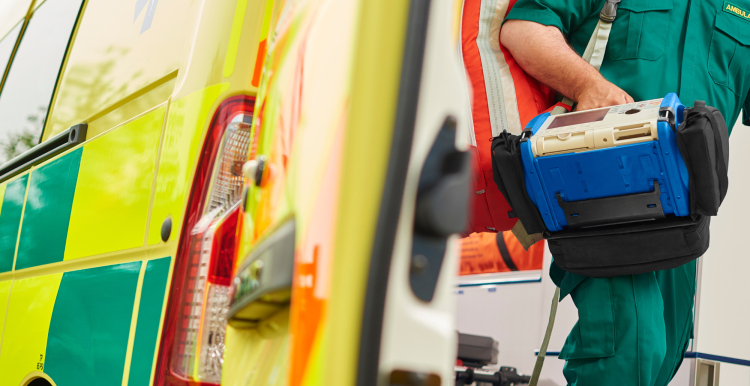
737	11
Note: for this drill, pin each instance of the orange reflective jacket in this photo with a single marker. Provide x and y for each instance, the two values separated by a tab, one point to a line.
481	253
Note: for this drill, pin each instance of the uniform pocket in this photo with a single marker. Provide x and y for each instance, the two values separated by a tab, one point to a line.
640	30
728	53
594	334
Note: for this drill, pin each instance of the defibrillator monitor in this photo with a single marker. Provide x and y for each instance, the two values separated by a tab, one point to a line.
606	166
597	129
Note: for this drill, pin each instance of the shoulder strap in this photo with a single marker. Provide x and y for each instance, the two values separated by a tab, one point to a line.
594	53
547	334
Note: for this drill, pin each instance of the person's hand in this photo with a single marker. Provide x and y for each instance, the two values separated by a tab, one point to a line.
601	93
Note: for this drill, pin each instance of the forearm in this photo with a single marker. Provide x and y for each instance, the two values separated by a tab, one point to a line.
545	55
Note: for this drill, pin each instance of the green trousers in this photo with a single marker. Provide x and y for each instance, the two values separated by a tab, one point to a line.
631	330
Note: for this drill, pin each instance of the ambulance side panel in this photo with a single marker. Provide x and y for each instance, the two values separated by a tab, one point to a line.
84	272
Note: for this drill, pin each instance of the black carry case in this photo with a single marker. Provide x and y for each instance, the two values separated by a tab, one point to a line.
638	247
703	140
506	152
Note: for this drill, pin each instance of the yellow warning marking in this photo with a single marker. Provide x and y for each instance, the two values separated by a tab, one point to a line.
114	185
234	38
29	314
735	10
133	323
5	288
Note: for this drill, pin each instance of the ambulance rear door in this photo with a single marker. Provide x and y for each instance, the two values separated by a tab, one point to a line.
407	334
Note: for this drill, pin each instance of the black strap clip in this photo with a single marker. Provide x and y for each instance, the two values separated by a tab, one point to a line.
609	11
667	114
526	134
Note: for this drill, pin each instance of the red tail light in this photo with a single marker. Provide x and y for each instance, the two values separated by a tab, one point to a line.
192	343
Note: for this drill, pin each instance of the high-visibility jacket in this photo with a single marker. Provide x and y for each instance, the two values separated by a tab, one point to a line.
504	98
488	252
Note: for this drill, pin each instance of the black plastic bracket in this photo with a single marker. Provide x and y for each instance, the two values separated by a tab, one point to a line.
507	376
526	134
613	210
609	11
667	114
74	136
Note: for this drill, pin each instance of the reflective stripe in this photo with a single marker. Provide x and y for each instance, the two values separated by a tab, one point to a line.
469	115
561	110
512	115
492	64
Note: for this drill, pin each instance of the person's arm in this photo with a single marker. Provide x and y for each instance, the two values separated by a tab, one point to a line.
544	54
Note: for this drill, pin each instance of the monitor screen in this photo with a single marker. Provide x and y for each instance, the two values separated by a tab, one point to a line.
578	118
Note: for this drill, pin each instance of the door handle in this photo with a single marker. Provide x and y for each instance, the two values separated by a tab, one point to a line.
263	283
441	209
443	194
69	138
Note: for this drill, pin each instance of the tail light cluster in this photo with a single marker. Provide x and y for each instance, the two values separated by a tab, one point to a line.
192	344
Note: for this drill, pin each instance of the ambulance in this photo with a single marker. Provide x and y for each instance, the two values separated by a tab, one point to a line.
354	190
235	192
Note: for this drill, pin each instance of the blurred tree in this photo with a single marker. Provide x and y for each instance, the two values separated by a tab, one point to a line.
18	142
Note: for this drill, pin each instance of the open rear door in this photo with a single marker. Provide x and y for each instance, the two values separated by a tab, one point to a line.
408	335
355	190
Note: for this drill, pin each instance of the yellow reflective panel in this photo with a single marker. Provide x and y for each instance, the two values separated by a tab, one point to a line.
222	37
132	106
27	322
114	56
187	121
2	196
4	293
234	38
258	355
457	10
324	102
113	191
378	56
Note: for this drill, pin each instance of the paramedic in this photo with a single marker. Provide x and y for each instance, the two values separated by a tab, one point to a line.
634	330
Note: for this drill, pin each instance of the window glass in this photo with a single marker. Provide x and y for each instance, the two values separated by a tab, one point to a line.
28	89
6	46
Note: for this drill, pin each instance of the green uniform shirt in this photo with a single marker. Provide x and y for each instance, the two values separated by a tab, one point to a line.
698	49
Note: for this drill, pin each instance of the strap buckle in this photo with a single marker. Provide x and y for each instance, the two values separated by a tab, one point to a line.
667	114
609	11
526	134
